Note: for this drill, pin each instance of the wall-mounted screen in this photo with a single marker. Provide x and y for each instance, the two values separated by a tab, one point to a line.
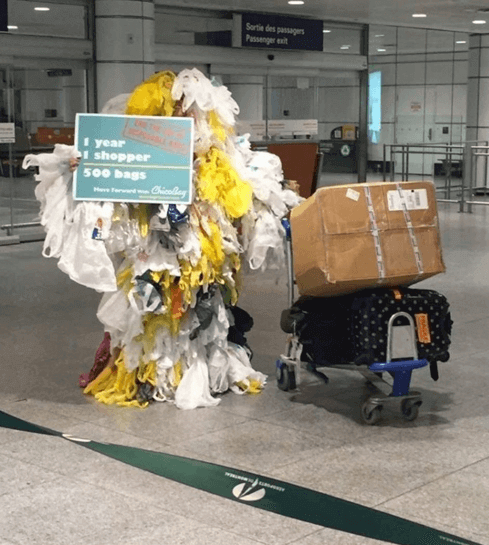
374	106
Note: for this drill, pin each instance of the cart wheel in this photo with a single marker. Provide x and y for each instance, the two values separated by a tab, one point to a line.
371	413
410	409
285	377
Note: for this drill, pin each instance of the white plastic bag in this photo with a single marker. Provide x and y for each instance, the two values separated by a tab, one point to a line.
113	313
54	194
193	390
240	370
84	257
266	246
196	89
218	363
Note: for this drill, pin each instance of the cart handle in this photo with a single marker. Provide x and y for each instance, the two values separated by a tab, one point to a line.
390	325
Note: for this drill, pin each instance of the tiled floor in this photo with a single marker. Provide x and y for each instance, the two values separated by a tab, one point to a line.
434	470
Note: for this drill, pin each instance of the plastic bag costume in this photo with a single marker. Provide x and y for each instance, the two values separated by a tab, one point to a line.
169	274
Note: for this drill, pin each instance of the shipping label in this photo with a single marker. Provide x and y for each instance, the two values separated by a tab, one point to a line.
352	194
415	199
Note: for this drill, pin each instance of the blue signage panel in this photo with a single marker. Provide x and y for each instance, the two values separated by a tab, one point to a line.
3	16
140	159
278	32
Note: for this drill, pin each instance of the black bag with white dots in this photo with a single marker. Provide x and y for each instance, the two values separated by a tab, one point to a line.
372	309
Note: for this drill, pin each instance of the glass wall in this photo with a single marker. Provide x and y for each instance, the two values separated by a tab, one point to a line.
342	39
293	97
423	78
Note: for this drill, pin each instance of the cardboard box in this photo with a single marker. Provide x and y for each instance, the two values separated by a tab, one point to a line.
349	237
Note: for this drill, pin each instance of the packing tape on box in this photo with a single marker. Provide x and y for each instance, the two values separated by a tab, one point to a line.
410	228
261	492
375	233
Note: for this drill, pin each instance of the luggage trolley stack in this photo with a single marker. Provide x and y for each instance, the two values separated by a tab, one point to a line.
380	332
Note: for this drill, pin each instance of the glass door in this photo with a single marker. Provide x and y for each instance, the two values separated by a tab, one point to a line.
42	104
6	150
339	126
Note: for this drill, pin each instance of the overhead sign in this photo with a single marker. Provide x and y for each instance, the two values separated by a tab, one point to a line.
7	133
59	72
278	32
3	16
139	159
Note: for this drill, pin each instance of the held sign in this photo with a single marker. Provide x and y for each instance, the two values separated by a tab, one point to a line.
139	159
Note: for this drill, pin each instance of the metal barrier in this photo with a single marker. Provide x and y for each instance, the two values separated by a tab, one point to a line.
459	156
473	189
10	227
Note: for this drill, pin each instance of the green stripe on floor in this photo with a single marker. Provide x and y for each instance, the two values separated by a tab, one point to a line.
262	492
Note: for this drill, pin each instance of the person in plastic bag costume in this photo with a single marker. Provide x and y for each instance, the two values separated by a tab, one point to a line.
169	274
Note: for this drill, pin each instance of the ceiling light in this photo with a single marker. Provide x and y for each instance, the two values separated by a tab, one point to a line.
295	2
379	35
479	22
40	8
381	50
345	47
326	31
419	14
460	42
12	27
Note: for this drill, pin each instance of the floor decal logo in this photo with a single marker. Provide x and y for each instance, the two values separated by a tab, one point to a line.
247	489
248	492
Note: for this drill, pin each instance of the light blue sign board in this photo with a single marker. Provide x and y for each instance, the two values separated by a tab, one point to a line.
139	159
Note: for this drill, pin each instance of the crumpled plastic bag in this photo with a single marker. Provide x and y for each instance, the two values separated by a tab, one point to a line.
264	242
188	245
263	171
242	377
230	368
113	313
51	167
156	258
218	365
217	330
55	216
54	194
196	89
84	257
193	390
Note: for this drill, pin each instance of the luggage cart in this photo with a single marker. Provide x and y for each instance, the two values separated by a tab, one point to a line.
399	367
